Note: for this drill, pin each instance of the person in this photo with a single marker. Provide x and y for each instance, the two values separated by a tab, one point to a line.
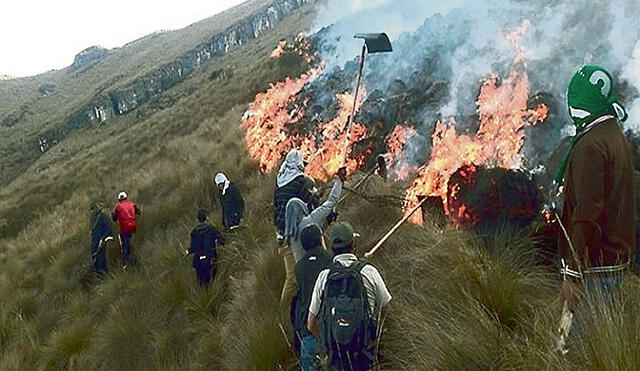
101	231
315	260
125	214
231	202
204	239
292	182
597	237
347	303
297	217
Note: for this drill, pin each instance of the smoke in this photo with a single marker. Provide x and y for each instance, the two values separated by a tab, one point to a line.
442	50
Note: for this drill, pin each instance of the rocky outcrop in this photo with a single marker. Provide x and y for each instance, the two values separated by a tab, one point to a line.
141	90
88	57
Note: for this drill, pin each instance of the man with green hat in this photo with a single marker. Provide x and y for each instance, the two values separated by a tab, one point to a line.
346	305
597	237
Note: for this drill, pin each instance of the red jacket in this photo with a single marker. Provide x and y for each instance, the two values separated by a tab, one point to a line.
125	214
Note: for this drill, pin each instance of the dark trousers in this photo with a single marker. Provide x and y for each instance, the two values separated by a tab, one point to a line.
125	240
99	260
205	271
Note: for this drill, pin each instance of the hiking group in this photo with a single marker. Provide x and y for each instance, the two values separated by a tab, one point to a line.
337	302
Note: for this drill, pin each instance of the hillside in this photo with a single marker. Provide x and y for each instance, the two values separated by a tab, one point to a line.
462	301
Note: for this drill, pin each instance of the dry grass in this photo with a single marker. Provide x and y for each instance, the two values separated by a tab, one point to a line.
461	301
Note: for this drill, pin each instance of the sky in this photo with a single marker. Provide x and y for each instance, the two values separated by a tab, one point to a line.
40	35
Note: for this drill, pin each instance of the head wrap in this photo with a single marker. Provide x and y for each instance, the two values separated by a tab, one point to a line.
222	179
295	211
591	102
291	168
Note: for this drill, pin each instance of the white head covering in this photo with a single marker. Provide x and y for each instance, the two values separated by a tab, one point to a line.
122	195
291	168
222	179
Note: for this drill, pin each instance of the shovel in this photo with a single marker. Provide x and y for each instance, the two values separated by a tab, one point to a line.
373	43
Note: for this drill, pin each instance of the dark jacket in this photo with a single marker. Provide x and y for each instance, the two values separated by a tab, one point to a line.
599	208
301	187
204	239
307	270
232	205
100	229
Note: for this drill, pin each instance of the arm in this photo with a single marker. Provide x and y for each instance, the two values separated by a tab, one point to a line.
114	215
192	246
588	174
138	211
319	215
312	325
314	306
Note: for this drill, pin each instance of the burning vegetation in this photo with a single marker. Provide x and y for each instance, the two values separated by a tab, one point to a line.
311	113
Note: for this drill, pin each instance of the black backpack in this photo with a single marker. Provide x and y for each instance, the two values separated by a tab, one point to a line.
347	328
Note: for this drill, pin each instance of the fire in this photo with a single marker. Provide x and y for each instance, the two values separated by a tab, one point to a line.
395	143
270	118
279	50
503	113
326	159
267	118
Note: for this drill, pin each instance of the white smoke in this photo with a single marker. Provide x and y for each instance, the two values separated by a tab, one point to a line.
394	17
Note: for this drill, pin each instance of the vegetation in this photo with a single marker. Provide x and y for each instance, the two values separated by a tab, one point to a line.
461	301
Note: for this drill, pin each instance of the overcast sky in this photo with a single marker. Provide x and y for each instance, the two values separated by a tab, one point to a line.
40	35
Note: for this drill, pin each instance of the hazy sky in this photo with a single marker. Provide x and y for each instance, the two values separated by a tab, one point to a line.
40	35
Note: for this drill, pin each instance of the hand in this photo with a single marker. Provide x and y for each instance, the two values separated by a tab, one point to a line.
342	174
570	292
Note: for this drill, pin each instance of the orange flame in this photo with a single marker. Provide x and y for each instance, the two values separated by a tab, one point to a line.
270	118
279	50
395	143
503	113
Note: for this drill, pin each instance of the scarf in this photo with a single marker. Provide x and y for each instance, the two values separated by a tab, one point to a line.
591	101
295	211
220	179
291	168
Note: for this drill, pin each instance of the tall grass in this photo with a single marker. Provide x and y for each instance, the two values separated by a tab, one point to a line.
461	301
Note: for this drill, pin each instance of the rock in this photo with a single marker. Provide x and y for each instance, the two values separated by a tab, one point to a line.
88	57
47	89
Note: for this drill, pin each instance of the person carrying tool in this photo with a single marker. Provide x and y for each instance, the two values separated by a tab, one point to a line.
231	202
101	231
297	217
315	260
347	305
204	240
292	182
597	237
125	214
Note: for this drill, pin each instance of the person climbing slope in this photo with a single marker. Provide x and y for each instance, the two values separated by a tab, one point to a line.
125	214
347	305
204	240
292	182
100	227
315	260
231	202
297	218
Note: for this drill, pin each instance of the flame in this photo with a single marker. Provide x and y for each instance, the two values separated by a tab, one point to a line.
266	120
503	113
270	118
325	160
395	143
279	50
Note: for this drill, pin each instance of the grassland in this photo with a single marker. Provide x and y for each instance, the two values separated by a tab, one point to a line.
461	301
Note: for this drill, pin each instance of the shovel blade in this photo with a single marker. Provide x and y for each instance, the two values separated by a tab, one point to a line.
376	42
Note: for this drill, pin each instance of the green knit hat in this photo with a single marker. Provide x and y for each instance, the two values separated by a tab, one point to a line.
590	95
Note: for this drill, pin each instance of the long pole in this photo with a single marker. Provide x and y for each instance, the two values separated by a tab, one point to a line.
395	227
347	140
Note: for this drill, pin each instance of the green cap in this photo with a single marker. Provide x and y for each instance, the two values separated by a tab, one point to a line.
341	235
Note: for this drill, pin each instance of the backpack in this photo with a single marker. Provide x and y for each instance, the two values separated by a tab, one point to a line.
347	328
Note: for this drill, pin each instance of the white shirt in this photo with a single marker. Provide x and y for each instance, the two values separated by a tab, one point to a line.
377	292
